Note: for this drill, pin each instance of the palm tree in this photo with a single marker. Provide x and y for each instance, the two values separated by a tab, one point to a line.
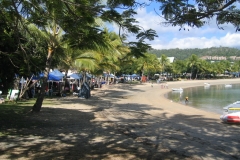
192	62
163	62
179	67
236	67
52	34
109	58
75	59
204	68
148	63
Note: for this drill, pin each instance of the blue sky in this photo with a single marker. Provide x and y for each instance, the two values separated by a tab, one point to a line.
170	37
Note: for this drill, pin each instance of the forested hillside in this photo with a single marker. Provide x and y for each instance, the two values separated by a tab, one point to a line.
182	54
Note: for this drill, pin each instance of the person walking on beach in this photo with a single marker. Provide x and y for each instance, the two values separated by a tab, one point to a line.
186	100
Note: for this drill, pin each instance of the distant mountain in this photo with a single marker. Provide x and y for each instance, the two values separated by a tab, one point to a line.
182	54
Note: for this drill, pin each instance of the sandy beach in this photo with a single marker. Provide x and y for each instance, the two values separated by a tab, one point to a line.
123	122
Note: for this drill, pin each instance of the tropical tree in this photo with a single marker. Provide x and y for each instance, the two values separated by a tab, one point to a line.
179	67
53	38
164	61
236	67
227	65
197	13
147	64
78	21
204	68
218	68
192	63
108	59
76	59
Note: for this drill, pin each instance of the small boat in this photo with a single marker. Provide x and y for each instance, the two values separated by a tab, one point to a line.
231	113
177	89
231	117
228	85
234	107
207	84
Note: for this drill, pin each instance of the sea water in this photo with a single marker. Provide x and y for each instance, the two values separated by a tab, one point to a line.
209	98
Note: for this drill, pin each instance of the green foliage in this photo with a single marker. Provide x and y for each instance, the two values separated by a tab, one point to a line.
182	54
196	13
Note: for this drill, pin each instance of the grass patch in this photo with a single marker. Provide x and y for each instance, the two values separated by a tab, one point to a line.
14	116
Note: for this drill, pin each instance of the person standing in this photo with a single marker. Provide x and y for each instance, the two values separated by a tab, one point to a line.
186	100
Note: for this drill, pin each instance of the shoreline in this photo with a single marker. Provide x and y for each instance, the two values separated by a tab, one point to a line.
207	110
202	133
153	94
123	122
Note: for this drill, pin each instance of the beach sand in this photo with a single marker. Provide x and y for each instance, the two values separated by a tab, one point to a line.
123	122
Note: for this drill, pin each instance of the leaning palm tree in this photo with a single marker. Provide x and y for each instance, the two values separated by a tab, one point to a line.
51	34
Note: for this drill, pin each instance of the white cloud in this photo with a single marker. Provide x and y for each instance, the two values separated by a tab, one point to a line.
170	37
229	40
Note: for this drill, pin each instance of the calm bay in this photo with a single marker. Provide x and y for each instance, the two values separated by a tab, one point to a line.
209	98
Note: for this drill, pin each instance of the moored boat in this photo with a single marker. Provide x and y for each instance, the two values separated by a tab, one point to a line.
228	85
177	89
231	117
231	113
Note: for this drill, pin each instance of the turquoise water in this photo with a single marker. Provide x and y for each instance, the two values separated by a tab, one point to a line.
211	99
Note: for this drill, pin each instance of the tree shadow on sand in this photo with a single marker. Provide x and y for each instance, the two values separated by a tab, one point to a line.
103	129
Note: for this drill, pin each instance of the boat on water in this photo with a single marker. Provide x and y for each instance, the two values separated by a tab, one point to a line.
177	89
207	84
228	85
231	113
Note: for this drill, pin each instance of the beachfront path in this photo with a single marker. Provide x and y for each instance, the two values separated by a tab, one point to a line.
125	122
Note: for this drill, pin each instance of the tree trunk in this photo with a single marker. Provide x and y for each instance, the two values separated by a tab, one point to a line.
191	73
65	82
196	75
142	76
38	104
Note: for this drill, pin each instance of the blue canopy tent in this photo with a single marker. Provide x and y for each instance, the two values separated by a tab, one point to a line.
57	73
134	75
75	76
51	77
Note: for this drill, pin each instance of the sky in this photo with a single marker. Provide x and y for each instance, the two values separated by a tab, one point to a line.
170	37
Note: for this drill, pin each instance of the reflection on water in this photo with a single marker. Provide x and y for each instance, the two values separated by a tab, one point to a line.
210	98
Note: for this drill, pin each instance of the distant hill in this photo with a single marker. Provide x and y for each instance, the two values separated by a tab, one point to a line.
182	54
